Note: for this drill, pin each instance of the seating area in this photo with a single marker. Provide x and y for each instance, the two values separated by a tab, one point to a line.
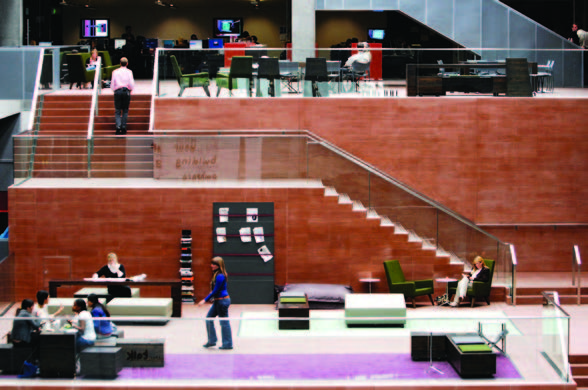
397	283
478	290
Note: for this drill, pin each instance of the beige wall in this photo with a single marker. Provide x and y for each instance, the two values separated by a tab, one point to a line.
334	27
152	21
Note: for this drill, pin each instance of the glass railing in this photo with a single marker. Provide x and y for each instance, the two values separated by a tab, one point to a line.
433	72
556	334
226	155
413	347
49	156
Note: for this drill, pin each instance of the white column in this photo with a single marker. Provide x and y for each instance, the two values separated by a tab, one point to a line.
11	27
303	29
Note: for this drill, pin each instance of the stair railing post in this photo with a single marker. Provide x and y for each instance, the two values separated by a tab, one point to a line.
577	272
514	262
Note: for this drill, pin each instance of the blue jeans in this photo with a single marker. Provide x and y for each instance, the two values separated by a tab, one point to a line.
82	343
220	308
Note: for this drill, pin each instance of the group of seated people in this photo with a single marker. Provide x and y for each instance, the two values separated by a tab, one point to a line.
91	321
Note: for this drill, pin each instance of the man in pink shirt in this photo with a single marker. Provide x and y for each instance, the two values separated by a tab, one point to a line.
122	84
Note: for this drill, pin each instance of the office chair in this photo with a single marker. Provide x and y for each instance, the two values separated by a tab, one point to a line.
269	69
316	71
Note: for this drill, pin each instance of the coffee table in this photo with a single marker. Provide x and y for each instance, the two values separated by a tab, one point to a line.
447	281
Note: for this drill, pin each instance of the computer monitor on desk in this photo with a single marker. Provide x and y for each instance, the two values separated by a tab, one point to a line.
215	43
195	44
168	43
119	43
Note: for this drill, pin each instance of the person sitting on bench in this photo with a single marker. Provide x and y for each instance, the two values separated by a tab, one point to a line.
102	326
26	328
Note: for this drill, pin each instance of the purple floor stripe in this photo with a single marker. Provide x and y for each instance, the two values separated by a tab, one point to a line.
315	366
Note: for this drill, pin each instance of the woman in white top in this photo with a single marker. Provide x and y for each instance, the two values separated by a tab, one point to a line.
41	310
84	323
480	273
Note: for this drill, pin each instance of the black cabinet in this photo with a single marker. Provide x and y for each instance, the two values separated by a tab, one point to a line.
293	311
57	355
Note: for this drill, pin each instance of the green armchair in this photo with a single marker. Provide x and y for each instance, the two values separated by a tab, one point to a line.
241	68
478	289
107	67
399	285
189	80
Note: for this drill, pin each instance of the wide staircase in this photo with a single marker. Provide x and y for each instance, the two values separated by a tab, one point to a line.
420	258
579	365
567	295
61	148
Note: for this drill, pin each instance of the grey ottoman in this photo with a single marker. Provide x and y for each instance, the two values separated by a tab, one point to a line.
142	352
359	307
101	362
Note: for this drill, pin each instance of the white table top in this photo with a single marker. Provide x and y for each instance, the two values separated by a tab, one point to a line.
445	280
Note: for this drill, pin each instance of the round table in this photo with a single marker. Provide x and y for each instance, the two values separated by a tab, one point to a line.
447	281
369	281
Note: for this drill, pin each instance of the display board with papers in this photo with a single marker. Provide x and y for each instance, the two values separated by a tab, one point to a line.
243	235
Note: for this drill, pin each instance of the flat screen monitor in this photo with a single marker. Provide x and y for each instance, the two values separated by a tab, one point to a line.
196	44
168	43
151	43
215	43
119	43
376	34
95	28
227	27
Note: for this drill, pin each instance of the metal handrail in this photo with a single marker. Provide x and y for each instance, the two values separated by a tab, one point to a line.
577	272
513	257
154	90
318	140
94	111
552	298
399	184
36	90
95	93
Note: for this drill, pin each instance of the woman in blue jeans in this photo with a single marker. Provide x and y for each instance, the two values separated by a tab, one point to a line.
219	296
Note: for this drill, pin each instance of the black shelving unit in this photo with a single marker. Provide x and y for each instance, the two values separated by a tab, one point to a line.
186	266
251	279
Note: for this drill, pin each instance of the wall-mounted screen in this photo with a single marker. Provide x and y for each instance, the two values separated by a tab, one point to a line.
227	27
376	34
119	43
95	28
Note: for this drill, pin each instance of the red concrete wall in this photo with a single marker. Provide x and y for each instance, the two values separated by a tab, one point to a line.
493	160
316	239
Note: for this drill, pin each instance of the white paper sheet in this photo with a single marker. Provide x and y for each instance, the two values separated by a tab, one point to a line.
245	234
221	234
265	253
258	234
223	214
252	215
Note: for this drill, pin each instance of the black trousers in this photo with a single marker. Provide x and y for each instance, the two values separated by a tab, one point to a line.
122	100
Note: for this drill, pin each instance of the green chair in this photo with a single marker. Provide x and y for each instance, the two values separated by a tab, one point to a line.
478	289
107	67
241	68
190	80
399	285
